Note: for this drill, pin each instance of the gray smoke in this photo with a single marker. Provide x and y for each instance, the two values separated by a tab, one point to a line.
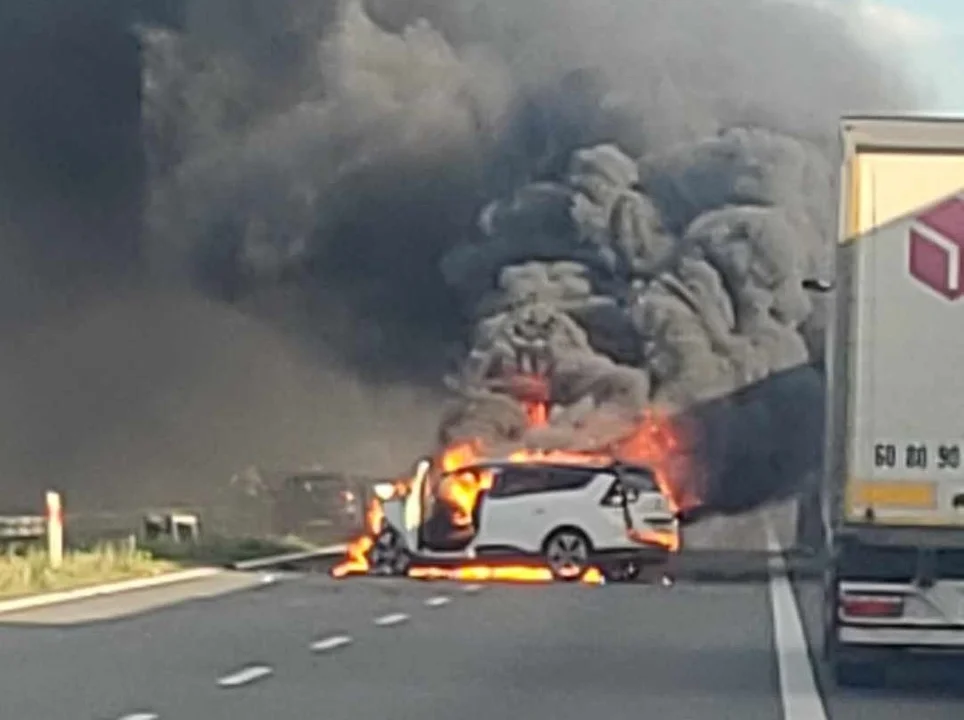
619	196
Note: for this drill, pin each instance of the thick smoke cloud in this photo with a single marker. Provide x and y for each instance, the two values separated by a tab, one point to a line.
323	174
621	197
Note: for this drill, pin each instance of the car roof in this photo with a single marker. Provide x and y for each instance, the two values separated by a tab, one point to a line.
589	465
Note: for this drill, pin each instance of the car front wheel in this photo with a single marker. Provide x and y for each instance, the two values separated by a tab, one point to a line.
388	555
567	552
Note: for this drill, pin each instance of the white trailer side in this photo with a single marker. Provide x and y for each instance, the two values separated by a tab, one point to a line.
894	471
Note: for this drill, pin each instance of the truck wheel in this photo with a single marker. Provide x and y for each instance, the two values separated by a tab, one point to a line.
828	646
851	673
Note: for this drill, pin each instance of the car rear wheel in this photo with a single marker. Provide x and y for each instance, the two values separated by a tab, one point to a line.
388	555
567	552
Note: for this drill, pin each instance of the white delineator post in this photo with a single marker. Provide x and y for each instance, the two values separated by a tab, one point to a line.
55	530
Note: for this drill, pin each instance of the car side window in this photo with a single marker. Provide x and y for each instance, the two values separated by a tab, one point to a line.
639	479
569	478
515	481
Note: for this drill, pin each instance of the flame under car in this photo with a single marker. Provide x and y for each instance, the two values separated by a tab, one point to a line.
571	517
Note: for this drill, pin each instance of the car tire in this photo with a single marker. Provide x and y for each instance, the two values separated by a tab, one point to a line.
568	553
623	571
388	554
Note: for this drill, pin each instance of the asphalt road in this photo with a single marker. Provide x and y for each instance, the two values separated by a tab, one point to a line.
242	649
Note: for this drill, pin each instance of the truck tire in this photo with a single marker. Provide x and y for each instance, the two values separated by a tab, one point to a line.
858	674
845	670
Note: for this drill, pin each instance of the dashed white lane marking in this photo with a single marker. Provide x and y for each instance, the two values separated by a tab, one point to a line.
473	588
392	619
330	643
245	676
798	687
140	716
438	601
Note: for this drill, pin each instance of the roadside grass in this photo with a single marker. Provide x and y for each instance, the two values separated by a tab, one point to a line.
29	572
26	571
217	550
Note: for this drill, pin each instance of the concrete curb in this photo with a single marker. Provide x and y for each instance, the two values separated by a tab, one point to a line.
56	598
322	552
114	588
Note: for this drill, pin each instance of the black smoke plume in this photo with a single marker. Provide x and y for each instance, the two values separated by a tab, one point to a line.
340	193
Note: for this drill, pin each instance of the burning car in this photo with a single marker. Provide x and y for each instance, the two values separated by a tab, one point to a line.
573	516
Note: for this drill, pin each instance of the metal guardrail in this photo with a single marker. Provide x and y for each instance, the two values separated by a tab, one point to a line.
318	507
328	551
22	527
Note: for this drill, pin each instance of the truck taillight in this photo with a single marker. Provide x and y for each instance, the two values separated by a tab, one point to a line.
872	605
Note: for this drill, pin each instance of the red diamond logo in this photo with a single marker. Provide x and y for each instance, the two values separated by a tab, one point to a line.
936	248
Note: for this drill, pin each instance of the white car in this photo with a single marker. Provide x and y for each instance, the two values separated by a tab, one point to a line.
573	516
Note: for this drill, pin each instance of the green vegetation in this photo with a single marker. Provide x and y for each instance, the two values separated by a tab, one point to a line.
26	571
214	550
29	572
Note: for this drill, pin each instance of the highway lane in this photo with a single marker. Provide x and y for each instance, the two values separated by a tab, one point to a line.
546	651
692	651
553	652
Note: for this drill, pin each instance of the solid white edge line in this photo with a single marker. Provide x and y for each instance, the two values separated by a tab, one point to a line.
438	601
799	692
330	643
245	676
391	619
55	598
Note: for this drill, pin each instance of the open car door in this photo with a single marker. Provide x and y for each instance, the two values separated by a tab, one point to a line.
414	505
649	515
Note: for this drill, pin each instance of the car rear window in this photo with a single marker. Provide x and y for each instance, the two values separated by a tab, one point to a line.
639	479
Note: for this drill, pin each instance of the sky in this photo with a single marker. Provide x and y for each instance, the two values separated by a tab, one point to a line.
930	34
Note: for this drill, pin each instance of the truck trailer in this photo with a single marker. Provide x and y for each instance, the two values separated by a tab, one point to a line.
893	479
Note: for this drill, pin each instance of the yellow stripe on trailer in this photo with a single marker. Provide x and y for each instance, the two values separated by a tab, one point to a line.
915	494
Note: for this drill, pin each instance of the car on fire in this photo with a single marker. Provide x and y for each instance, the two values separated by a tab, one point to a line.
572	516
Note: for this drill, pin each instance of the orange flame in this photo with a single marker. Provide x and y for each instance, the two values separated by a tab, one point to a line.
537	413
654	442
665	539
356	555
498	573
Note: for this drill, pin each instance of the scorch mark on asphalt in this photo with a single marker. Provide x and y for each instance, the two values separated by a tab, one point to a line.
798	687
392	619
330	643
245	676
